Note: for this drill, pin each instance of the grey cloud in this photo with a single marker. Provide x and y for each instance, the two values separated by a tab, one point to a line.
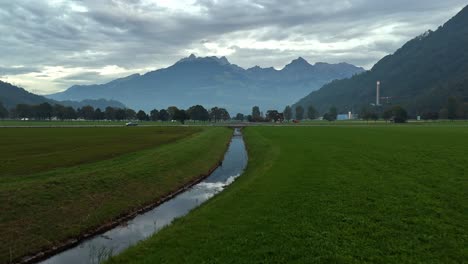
83	76
135	34
17	70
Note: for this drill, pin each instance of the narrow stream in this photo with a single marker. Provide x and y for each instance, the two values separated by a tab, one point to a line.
114	241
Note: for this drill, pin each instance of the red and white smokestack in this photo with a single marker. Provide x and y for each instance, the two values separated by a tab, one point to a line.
377	98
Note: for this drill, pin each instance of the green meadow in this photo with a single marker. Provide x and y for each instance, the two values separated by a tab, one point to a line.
331	194
56	183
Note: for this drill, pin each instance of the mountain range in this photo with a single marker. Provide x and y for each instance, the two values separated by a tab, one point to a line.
419	76
214	81
11	95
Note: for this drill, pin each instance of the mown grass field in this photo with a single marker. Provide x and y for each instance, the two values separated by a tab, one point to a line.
396	194
56	183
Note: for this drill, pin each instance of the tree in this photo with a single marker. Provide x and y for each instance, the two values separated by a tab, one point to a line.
130	114
163	115
120	114
154	115
110	113
387	115
214	114
217	114
430	115
69	113
443	113
369	114
256	116
180	115
142	116
272	115
198	112
24	111
452	106
462	111
44	111
311	112
333	113
398	114
3	111
240	117
87	112
287	113
172	110
299	112
224	114
327	117
59	111
98	114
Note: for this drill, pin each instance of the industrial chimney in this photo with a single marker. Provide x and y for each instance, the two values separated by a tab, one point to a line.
377	96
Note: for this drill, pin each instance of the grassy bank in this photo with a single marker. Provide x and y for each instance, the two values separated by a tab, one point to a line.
117	171
394	194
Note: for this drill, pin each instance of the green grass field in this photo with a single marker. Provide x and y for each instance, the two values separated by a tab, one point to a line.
31	150
56	183
393	194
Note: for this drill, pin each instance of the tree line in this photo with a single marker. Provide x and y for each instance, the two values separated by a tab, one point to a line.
453	109
47	111
288	114
396	114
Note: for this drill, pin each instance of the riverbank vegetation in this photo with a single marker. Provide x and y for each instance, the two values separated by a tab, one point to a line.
344	194
56	183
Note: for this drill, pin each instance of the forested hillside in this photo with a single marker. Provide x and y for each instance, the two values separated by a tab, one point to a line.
421	76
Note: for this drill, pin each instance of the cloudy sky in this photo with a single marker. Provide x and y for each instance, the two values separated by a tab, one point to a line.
47	46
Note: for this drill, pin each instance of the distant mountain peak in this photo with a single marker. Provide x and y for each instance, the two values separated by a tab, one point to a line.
223	60
256	67
300	60
298	63
192	58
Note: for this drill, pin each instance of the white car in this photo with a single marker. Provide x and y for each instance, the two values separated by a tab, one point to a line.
131	124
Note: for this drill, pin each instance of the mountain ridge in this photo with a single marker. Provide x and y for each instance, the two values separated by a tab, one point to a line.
214	81
11	95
